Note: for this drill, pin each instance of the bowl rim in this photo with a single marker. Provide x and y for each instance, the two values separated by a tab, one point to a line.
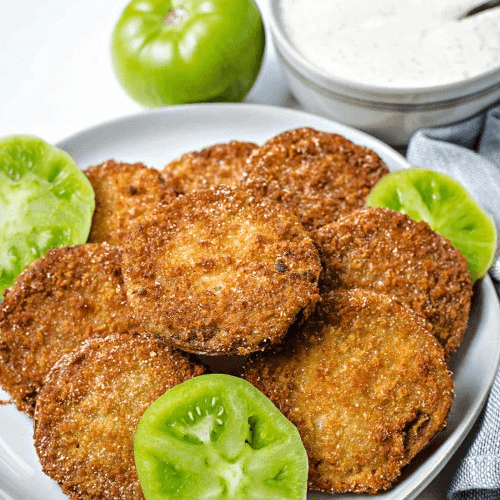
482	83
391	105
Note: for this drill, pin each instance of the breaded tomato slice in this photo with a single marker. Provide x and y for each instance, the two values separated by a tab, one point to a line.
90	406
386	251
219	271
320	176
60	300
124	194
212	166
366	384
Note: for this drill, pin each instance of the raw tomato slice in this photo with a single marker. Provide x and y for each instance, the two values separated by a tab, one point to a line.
45	201
218	437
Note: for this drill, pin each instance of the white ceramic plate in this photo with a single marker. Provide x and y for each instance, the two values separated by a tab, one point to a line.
155	137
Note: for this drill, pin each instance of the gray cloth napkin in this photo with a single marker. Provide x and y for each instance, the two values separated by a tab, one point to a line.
469	151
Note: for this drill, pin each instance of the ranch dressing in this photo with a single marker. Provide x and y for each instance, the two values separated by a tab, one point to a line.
394	43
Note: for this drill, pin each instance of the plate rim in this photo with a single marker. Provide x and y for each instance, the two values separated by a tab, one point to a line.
217	107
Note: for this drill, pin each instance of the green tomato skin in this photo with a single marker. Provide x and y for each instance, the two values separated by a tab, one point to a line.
183	51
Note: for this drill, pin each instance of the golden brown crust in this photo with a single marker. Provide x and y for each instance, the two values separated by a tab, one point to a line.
220	164
219	271
61	299
90	406
318	175
366	385
386	251
124	194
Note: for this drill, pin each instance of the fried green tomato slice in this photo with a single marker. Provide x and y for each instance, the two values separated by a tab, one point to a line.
219	271
124	194
447	207
386	251
366	384
90	406
212	166
60	300
217	437
320	176
45	202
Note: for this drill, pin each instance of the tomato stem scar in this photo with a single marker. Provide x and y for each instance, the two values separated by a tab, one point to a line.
175	17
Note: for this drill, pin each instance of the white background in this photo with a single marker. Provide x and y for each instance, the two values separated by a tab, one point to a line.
56	79
55	68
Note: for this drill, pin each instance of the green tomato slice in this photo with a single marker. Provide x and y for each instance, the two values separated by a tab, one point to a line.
446	206
45	201
218	437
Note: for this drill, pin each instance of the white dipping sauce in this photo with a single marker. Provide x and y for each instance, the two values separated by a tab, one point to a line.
394	43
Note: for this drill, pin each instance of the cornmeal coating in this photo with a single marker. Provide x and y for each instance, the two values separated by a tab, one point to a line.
90	406
386	251
60	300
366	384
212	166
320	176
219	271
124	194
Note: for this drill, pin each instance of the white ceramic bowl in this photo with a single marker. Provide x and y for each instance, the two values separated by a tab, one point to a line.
391	114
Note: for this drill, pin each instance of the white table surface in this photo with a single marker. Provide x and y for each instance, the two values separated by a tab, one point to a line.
56	79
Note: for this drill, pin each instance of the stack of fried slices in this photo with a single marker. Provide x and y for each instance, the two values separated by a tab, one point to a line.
345	315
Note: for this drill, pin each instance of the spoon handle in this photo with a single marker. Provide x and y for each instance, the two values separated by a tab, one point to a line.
480	8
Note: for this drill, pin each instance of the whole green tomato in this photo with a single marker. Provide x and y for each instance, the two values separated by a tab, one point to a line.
182	51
